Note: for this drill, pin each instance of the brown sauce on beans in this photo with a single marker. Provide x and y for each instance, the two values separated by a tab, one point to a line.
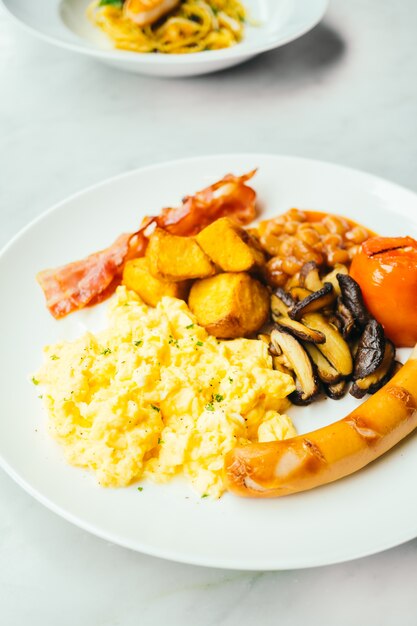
296	237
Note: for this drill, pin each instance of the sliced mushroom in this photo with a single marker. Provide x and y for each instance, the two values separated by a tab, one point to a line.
337	390
370	352
356	392
352	299
306	379
327	373
347	323
294	281
264	337
300	331
371	383
331	277
281	303
335	348
281	358
299	293
282	368
310	277
314	302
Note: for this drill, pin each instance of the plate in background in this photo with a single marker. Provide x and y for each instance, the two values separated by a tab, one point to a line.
64	23
367	512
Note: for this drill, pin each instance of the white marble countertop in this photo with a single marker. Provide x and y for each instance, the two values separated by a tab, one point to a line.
347	93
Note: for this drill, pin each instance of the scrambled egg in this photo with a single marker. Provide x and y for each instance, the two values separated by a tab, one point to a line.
154	396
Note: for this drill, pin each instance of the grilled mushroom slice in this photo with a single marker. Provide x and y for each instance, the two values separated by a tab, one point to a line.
281	303
346	322
338	390
335	348
332	277
310	277
374	381
370	352
327	373
299	293
306	379
314	302
352	299
299	330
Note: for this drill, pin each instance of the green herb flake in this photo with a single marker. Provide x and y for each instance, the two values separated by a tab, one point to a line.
155	408
106	351
199	343
140	488
173	341
35	381
218	397
54	357
209	407
40	397
230	380
138	343
189	326
160	440
205	495
113	3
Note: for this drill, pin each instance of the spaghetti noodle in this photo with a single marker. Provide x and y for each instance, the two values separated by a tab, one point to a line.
194	26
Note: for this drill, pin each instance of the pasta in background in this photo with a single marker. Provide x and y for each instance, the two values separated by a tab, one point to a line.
196	25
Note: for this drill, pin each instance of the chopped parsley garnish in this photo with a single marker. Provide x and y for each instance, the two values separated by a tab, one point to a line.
35	381
189	326
173	341
205	495
160	440
155	408
138	343
230	380
218	398
209	407
112	3
54	357
199	343
140	488
106	351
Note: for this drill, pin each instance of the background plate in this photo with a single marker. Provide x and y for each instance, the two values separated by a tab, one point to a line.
64	23
370	511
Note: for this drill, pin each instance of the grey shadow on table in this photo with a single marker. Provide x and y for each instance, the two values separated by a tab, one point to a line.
300	60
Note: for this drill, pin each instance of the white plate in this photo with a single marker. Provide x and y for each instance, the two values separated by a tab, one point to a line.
362	514
64	23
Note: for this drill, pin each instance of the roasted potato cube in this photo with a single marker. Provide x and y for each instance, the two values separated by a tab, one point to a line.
230	305
232	248
136	276
176	258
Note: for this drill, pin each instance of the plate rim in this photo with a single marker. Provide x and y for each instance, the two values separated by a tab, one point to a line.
169	59
150	550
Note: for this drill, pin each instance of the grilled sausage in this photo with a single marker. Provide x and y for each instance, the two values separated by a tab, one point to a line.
280	468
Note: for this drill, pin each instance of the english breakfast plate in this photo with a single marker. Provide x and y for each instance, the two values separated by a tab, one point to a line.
64	23
369	511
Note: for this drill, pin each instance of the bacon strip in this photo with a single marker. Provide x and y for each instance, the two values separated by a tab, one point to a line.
91	280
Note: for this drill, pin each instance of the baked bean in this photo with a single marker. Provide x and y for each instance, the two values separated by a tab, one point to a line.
290	228
292	240
333	241
291	265
274	272
296	215
334	224
308	235
357	234
337	256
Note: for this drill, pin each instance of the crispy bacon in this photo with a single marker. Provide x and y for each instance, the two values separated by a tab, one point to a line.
91	280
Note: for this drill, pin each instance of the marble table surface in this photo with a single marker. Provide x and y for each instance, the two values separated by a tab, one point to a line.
346	92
